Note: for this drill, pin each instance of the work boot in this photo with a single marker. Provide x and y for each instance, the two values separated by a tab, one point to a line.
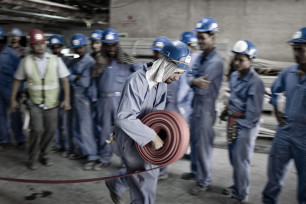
76	156
21	146
98	166
46	162
198	190
32	165
5	146
227	190
233	200
188	176
114	196
89	165
56	149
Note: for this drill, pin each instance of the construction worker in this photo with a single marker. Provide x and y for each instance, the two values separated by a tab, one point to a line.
289	142
205	79
9	63
96	45
144	92
41	71
15	42
56	44
63	136
157	46
243	111
81	84
185	94
118	66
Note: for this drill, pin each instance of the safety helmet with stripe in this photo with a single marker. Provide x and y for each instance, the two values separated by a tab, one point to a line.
15	32
56	40
159	43
177	52
189	38
299	36
110	36
96	35
78	40
37	36
245	47
207	24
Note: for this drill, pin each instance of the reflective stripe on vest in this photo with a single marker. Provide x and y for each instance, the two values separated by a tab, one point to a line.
42	91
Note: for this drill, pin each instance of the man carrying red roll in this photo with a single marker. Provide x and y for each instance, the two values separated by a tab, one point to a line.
144	92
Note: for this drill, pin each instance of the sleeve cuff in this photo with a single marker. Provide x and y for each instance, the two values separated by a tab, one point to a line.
273	101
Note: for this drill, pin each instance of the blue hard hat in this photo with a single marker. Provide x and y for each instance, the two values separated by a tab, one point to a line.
299	36
15	31
1	32
207	24
178	52
190	38
245	47
96	35
78	40
110	36
56	40
159	43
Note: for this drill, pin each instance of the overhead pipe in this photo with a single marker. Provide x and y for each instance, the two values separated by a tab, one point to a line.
54	4
59	18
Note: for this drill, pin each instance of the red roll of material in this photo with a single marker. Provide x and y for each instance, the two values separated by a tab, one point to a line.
173	130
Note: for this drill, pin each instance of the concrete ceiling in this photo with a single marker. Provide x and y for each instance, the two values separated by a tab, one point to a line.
57	13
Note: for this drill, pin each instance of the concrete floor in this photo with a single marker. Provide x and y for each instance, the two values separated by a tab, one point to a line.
171	191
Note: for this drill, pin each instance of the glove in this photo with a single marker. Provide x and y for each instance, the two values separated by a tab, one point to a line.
224	115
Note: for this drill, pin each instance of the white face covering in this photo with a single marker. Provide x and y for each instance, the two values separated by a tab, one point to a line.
160	71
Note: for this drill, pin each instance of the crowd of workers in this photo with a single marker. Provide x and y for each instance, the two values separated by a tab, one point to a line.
85	103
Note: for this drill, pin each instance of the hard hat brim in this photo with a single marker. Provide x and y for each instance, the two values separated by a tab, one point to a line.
183	66
297	41
94	39
76	46
156	48
37	41
14	34
203	31
243	53
55	44
110	41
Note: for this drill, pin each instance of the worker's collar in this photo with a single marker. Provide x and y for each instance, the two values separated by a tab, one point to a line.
210	54
295	69
246	76
84	58
45	57
5	49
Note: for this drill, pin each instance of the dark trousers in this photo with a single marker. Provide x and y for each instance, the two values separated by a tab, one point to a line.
43	125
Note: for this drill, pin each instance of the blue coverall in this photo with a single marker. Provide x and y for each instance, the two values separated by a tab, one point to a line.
109	87
172	92
136	102
290	140
185	93
81	106
9	61
204	115
63	136
247	95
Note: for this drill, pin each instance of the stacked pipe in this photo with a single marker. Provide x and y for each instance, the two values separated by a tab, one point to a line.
173	130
